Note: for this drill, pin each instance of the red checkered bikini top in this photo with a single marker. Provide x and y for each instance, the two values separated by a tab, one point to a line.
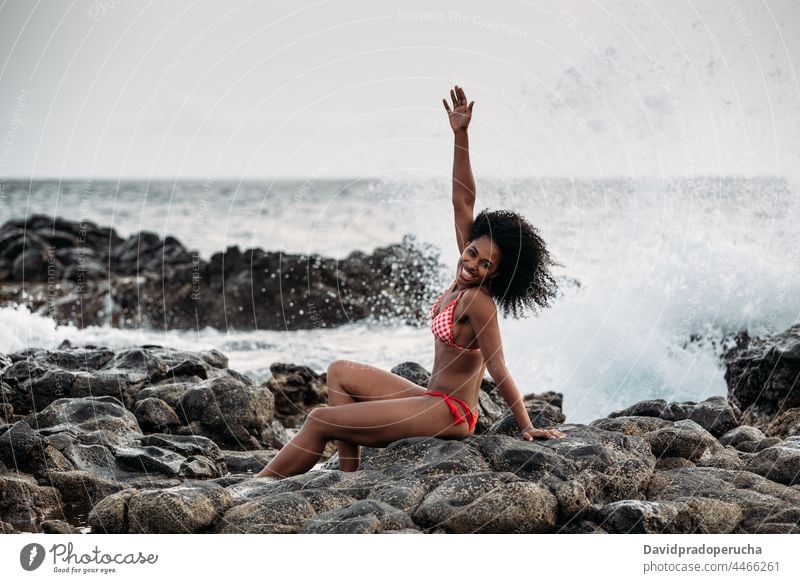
442	323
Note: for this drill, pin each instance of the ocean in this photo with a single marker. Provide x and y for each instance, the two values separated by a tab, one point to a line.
657	276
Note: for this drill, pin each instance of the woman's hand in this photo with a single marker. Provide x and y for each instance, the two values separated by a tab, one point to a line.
531	433
461	114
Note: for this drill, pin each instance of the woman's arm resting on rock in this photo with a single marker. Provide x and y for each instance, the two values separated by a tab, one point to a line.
482	313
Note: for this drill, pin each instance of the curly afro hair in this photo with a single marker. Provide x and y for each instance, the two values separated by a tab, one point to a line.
523	277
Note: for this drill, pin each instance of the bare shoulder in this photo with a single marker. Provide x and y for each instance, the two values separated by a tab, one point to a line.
479	303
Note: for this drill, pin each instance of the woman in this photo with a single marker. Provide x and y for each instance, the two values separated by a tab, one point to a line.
502	260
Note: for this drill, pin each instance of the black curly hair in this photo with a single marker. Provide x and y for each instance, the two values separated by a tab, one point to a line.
523	278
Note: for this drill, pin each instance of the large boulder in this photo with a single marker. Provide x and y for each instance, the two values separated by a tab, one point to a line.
762	376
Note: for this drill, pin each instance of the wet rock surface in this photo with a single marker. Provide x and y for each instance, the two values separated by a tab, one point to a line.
172	445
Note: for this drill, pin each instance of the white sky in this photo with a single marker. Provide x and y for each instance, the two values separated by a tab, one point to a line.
289	89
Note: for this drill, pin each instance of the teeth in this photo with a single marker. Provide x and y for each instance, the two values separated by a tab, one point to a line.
466	274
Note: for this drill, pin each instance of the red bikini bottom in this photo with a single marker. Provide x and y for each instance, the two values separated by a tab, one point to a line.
469	416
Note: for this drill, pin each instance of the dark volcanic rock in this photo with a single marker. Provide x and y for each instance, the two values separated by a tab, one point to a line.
191	507
661	468
297	390
24	503
488	502
360	517
716	414
155	282
762	376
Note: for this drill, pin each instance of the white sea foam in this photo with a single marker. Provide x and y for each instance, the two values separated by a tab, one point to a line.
667	271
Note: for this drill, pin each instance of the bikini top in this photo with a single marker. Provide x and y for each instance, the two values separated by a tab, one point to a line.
442	323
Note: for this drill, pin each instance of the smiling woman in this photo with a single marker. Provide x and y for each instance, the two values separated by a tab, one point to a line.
503	261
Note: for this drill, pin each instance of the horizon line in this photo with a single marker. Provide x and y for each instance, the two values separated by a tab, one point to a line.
355	178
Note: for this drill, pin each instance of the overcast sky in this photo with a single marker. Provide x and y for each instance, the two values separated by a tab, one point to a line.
292	89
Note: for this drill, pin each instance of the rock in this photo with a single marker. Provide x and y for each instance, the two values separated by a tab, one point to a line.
155	415
361	517
695	515
741	434
489	412
191	507
780	463
581	527
640	516
84	415
233	414
189	446
715	414
488	502
726	457
150	459
285	512
24	503
760	500
608	465
543	415
404	494
168	392
242	462
24	450
414	372
786	424
80	488
110	515
756	446
631	424
297	390
685	439
58	527
425	456
708	516
7	528
152	282
762	376
279	435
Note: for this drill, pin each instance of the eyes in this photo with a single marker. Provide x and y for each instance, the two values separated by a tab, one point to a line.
473	253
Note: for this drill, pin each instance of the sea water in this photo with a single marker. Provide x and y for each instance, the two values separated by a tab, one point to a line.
657	274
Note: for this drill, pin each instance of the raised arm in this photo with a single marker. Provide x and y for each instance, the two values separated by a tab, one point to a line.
463	181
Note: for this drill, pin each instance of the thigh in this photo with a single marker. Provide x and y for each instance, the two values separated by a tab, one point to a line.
365	382
378	423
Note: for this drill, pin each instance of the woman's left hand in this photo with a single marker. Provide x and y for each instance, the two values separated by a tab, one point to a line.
530	434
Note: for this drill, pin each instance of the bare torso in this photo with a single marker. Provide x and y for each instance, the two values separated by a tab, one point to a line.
456	371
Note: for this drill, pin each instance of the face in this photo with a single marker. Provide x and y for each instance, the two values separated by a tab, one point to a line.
479	261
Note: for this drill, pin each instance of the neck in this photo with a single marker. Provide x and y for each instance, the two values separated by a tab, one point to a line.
486	285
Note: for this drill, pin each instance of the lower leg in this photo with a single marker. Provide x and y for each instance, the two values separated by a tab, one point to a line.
349	454
296	457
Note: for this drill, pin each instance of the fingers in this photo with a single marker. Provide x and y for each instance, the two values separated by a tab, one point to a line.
447	107
548	433
470	106
457	95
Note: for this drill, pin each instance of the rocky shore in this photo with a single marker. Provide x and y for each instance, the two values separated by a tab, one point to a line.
81	274
155	440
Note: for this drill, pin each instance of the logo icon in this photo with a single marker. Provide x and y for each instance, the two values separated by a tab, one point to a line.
31	556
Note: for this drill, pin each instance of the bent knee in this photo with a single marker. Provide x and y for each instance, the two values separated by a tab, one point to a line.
337	367
318	416
319	421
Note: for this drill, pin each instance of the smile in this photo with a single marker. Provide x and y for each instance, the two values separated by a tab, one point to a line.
467	275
